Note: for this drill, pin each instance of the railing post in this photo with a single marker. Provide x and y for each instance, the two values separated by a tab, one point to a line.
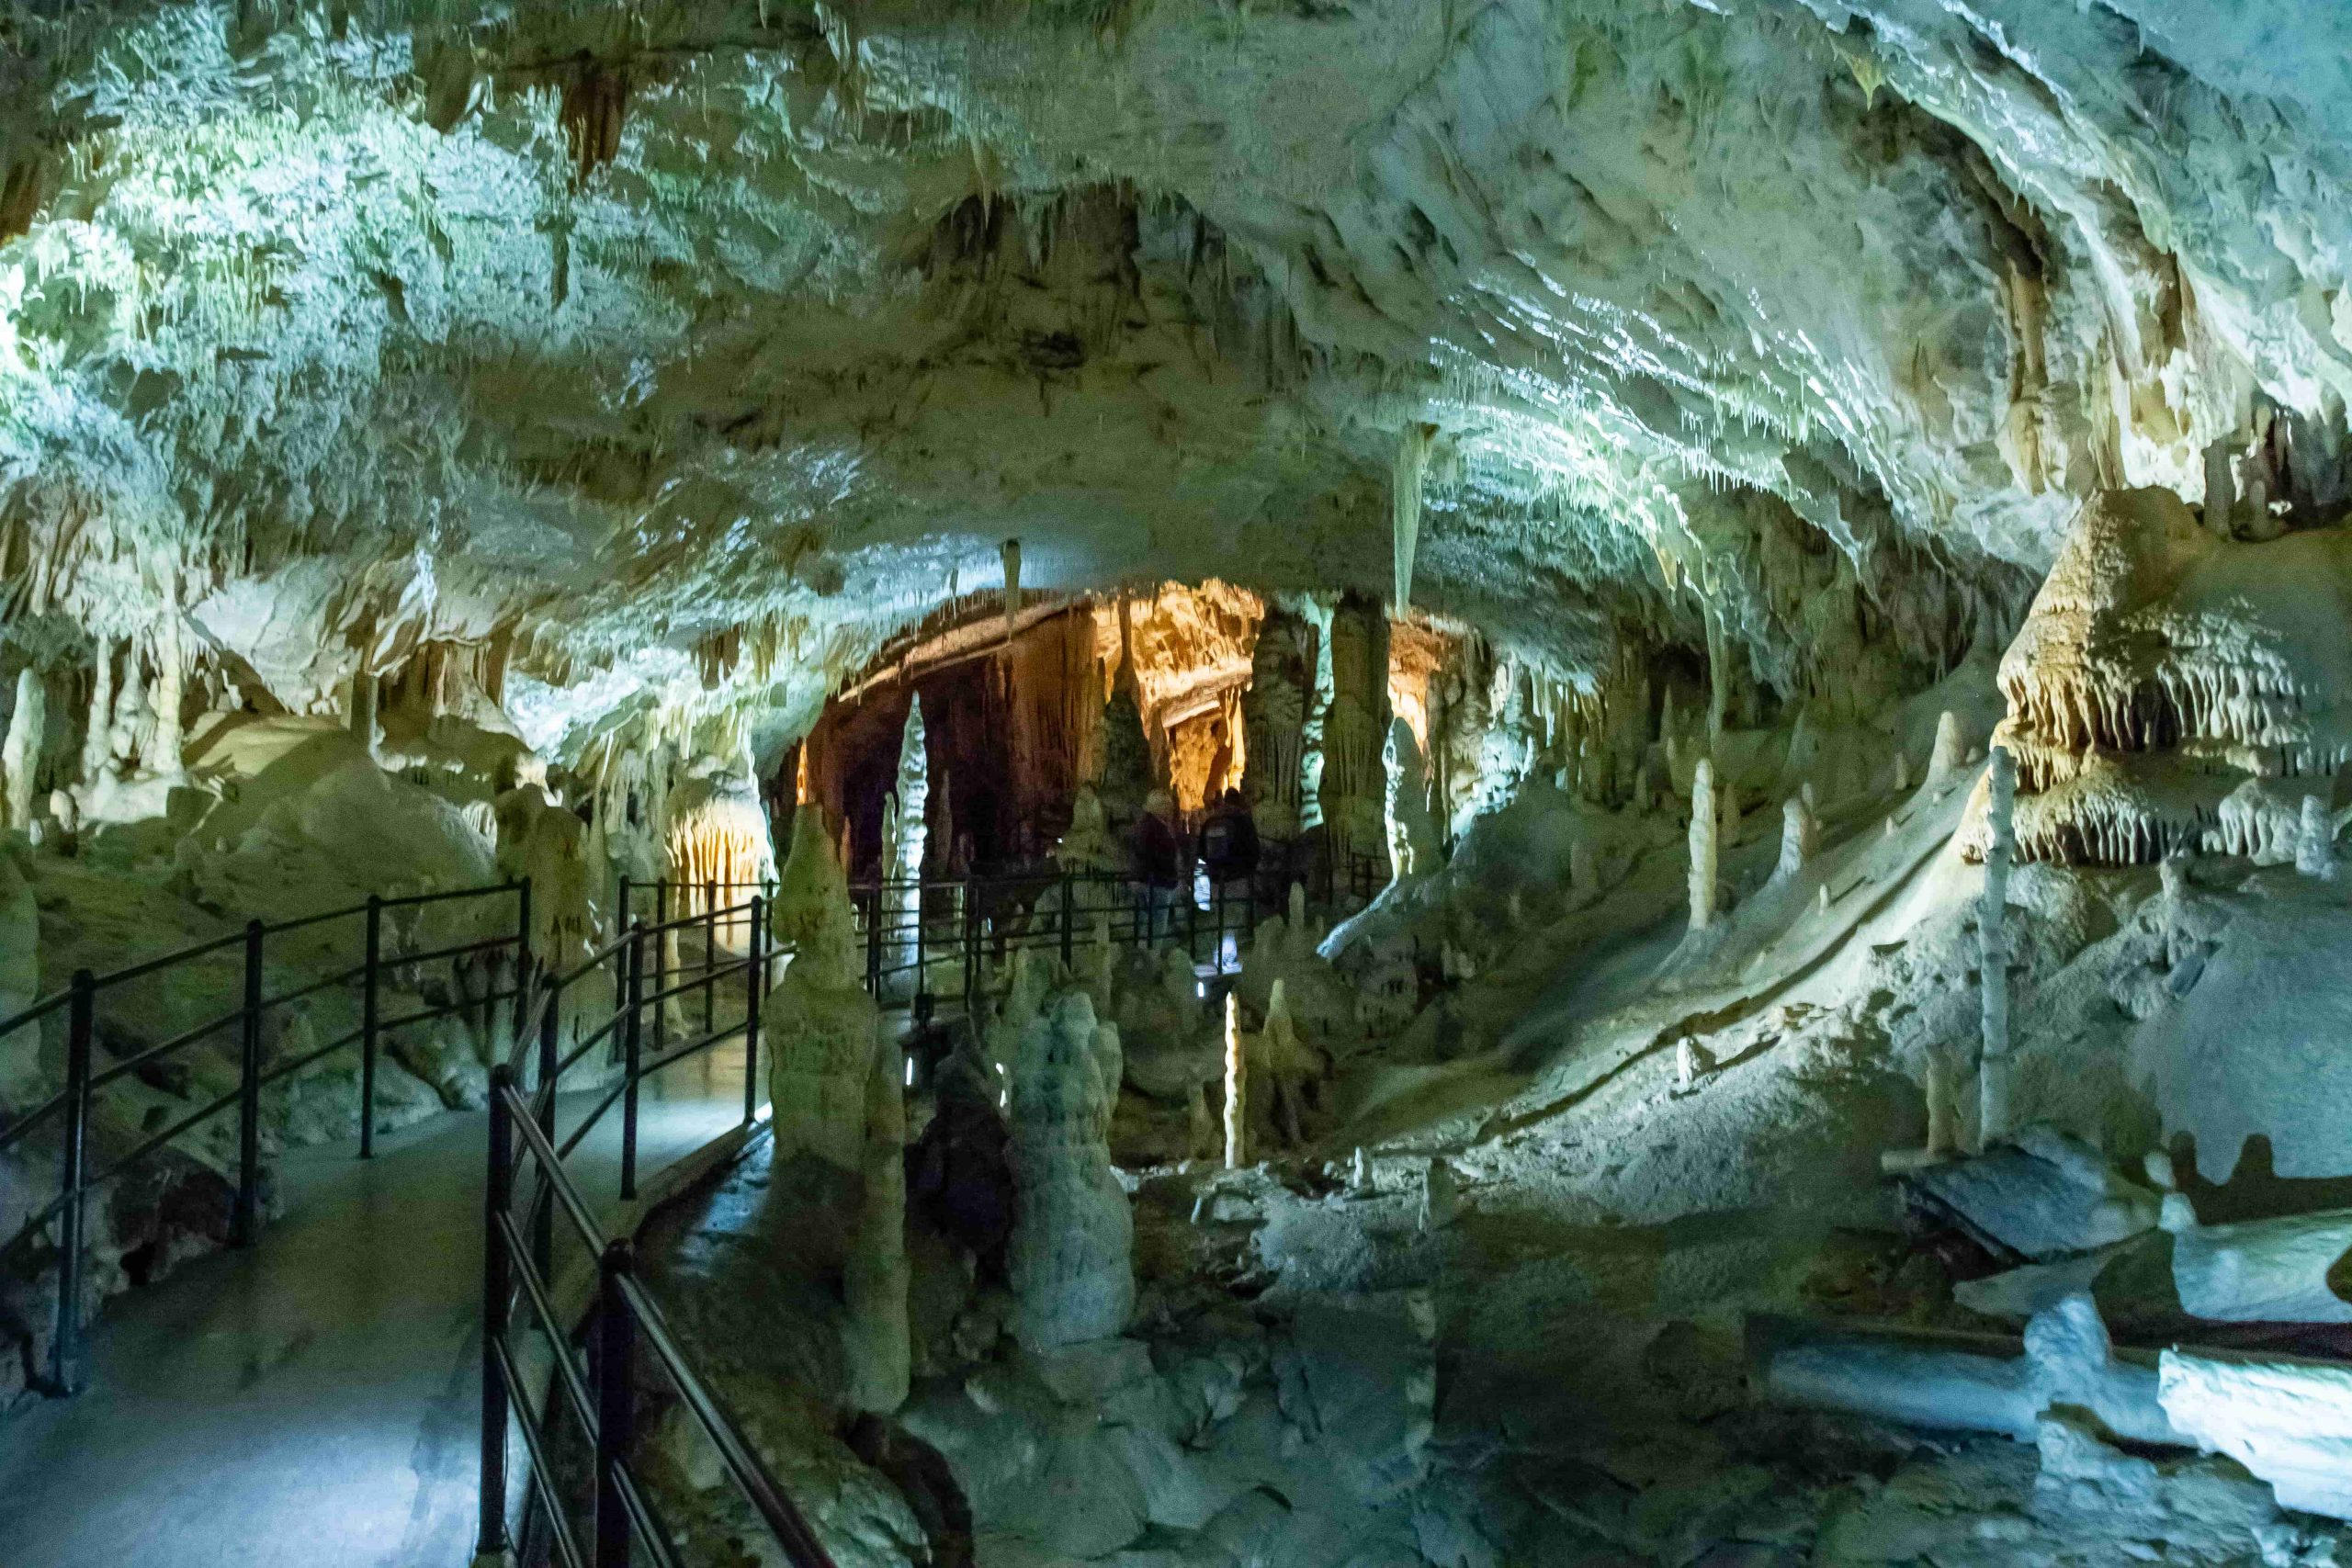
756	979
874	944
969	939
661	961
543	1213
615	1401
522	963
632	1051
497	1291
368	1019
1070	918
620	912
922	961
65	1371
245	1221
711	957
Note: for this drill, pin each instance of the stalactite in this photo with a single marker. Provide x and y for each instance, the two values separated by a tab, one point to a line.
1404	505
1011	551
908	837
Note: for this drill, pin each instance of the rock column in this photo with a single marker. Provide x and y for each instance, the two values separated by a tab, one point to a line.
1274	718
1704	827
20	753
1354	785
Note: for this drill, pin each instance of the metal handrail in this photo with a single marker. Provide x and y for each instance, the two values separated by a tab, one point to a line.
70	1108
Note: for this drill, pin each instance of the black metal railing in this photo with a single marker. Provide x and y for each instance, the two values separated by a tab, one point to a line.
591	1384
912	930
64	1220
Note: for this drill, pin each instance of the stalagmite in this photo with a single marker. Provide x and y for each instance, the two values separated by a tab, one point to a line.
2220	491
169	694
824	1038
2254	519
1799	835
907	841
1951	753
1236	1087
1413	844
875	1279
810	885
96	740
1943	1105
1996	1110
20	753
1068	1260
2315	842
1704	827
359	708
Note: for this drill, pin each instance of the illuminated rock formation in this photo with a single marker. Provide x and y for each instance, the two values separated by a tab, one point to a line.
716	835
1414	848
2165	675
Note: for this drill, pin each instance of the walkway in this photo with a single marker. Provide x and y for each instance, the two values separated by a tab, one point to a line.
314	1402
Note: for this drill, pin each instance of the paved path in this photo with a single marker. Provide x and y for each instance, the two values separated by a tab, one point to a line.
313	1402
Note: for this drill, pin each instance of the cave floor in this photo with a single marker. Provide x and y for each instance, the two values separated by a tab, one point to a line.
315	1400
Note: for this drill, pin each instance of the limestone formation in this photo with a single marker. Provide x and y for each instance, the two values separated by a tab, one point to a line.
1996	1111
20	753
97	735
1275	721
1354	785
1703	828
906	839
1237	1086
1799	835
823	1037
1069	1258
1088	846
548	845
1413	844
716	834
2315	841
811	887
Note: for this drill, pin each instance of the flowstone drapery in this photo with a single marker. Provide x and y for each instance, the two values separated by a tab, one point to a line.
1068	1260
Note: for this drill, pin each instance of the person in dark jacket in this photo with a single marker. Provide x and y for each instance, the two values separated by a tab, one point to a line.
1229	842
1156	864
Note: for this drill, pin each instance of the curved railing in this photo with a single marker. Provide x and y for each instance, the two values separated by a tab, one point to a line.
592	1386
64	1218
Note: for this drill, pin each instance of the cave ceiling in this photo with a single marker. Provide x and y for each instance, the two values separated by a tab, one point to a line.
620	331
